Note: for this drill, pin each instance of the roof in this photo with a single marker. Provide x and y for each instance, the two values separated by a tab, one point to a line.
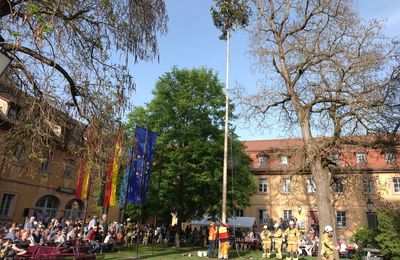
262	145
239	222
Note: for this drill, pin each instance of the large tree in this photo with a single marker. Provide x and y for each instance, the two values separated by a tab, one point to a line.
73	56
188	113
327	74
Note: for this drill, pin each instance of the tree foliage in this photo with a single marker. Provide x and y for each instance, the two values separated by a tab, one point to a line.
388	237
72	56
229	15
188	113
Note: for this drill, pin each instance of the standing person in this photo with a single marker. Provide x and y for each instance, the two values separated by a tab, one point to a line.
327	246
277	239
212	238
223	240
292	235
266	242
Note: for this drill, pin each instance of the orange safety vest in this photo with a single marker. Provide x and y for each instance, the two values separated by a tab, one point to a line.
223	233
212	233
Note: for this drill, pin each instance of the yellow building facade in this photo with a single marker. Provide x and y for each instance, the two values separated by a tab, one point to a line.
365	180
43	188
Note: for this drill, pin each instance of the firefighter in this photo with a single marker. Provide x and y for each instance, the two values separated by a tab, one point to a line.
326	242
277	239
266	242
223	236
212	238
292	235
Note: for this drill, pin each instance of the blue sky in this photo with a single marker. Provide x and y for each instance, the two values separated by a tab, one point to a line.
192	41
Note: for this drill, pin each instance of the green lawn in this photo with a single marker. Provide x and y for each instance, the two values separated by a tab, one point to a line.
170	253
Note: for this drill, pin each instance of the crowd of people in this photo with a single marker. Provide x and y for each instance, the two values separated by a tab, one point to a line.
101	236
96	233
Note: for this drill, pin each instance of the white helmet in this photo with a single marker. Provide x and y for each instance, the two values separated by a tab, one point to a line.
291	222
328	229
265	226
276	225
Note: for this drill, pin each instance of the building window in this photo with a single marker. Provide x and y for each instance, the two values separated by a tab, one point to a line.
262	216
73	209
287	214
45	162
396	185
338	186
284	160
46	204
390	158
262	186
361	157
286	186
262	160
368	186
335	158
6	203
311	187
341	220
69	169
239	213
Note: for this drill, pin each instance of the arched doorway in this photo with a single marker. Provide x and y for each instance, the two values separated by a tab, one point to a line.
73	209
46	206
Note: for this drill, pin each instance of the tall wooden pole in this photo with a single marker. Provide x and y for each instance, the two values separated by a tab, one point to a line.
225	168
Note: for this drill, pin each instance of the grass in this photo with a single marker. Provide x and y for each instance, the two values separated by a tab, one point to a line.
169	253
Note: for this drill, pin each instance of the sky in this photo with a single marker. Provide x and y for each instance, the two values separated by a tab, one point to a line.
192	42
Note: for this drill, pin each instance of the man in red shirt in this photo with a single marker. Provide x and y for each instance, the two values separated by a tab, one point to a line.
92	240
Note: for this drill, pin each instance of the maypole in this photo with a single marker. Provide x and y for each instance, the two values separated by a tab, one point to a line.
225	168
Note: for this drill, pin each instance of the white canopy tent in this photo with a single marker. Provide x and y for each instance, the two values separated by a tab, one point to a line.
238	222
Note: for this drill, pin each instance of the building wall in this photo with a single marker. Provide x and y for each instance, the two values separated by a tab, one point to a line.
22	178
352	201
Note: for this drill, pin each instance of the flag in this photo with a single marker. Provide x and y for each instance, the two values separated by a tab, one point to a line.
86	181
124	185
115	170
141	166
81	174
108	180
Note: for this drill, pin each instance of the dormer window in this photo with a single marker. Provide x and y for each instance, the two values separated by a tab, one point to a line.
262	159
284	160
361	157
390	157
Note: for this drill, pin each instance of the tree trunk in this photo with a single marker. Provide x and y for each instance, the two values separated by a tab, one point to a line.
177	234
326	212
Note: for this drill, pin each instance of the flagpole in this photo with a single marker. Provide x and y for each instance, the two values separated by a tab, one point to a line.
225	168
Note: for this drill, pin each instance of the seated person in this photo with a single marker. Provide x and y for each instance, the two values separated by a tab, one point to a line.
21	245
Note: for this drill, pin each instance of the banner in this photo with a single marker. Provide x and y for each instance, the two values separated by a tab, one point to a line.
81	176
115	171
141	166
86	181
107	185
124	185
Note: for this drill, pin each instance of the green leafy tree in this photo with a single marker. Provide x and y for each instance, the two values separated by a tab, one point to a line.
388	237
188	113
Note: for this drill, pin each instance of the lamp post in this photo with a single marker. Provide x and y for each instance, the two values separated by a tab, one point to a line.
299	209
370	204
